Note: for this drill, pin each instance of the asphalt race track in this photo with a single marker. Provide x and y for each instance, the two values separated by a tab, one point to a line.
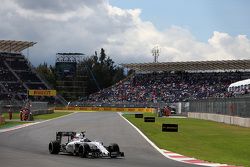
28	147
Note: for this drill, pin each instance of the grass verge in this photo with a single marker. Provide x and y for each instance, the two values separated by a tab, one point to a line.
43	116
15	117
206	140
10	124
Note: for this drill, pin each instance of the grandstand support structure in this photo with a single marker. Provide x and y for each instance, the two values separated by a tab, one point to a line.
71	82
69	57
58	97
13	72
18	75
2	87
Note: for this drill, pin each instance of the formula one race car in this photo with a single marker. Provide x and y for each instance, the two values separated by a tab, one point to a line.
77	144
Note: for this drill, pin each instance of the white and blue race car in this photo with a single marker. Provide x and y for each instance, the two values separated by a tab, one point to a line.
77	144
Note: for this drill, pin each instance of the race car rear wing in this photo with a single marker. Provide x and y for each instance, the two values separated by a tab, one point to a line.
59	135
70	135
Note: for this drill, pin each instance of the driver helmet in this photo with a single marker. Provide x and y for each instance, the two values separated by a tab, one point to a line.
79	136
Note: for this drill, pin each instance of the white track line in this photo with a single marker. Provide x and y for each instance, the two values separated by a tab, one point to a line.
175	156
145	137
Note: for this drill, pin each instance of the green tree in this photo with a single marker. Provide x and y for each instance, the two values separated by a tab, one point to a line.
102	56
47	73
102	71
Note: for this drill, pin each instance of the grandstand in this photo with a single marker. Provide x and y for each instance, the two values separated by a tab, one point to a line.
17	74
172	82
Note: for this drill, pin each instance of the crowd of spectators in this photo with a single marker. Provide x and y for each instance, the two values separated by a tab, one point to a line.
36	86
18	64
14	87
2	65
170	87
16	77
28	76
6	75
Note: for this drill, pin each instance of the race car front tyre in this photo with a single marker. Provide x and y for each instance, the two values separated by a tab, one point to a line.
54	147
113	148
84	150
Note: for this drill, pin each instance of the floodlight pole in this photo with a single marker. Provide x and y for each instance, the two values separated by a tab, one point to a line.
156	53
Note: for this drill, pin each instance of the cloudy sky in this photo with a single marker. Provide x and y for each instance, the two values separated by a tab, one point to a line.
185	30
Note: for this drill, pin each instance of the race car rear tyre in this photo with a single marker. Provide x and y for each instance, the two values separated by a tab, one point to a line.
84	151
113	148
54	147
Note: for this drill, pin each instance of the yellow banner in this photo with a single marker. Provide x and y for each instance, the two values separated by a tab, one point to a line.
71	108
42	92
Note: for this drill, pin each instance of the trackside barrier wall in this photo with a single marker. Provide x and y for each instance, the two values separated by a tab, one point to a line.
233	120
122	104
234	110
38	108
106	109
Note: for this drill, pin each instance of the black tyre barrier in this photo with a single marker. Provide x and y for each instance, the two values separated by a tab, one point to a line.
169	127
149	119
138	115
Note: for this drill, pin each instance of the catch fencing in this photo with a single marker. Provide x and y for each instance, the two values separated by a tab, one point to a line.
234	106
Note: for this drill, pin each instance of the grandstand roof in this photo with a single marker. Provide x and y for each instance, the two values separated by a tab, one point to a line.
14	46
224	65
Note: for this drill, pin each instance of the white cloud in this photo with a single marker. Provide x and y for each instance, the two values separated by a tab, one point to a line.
228	47
86	26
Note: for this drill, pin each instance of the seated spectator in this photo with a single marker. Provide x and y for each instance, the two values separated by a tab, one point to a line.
169	87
